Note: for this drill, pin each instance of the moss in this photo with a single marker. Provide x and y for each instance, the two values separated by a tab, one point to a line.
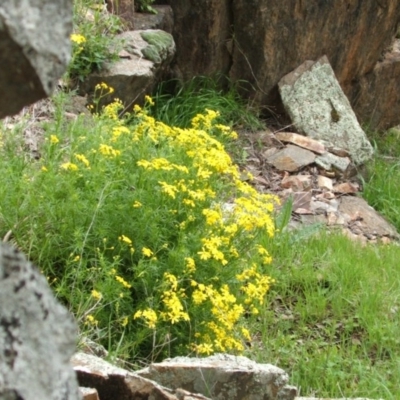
159	44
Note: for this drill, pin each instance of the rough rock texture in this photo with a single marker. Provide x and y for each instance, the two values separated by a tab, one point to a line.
223	377
164	19
37	335
33	54
291	158
319	108
147	54
125	9
376	96
113	383
260	41
202	33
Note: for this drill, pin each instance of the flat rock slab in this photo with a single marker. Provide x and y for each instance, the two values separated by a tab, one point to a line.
318	108
291	158
114	383
369	222
302	141
37	335
223	377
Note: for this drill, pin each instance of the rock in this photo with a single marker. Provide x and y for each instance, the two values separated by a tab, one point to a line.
222	377
164	19
203	37
325	183
376	95
131	78
329	161
298	183
37	335
33	55
291	158
89	393
302	141
318	107
125	9
356	208
114	383
346	188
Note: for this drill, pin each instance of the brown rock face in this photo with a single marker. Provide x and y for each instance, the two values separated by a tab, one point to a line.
260	41
202	33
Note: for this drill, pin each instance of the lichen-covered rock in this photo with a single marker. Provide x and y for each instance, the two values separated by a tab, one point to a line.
147	55
319	109
37	335
222	377
34	53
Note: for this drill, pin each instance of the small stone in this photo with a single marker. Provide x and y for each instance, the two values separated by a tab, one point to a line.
302	141
291	158
325	183
298	183
89	393
346	188
328	161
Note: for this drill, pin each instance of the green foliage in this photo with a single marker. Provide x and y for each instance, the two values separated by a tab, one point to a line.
145	6
177	104
144	230
93	42
381	185
333	316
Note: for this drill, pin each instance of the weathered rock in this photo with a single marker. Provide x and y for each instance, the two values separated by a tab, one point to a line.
89	393
376	95
329	161
325	182
37	335
125	9
346	188
164	19
298	183
116	383
202	32
222	377
291	158
319	108
259	42
33	54
131	78
302	141
371	223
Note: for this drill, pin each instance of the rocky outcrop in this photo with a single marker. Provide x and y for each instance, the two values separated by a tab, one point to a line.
261	41
318	108
37	335
33	54
145	57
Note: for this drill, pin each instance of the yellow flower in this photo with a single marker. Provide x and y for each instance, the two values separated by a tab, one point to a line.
147	252
149	100
148	315
123	282
125	239
190	264
54	139
96	295
137	204
83	159
68	166
90	320
44	169
77	38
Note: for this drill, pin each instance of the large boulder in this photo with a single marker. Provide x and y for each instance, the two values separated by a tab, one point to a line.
34	50
260	41
37	335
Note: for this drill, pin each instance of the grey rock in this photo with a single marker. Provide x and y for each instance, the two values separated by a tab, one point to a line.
222	377
34	50
291	158
328	161
318	107
113	383
149	55
37	335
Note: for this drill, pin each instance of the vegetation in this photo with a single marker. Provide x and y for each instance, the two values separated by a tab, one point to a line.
149	233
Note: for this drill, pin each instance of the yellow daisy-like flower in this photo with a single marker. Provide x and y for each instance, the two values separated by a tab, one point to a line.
147	252
77	38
